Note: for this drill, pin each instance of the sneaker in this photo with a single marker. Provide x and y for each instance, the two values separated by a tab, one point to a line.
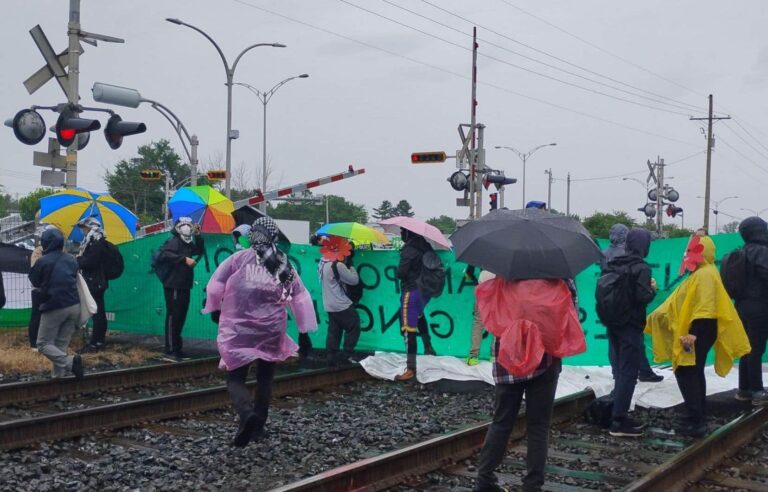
634	424
406	376
760	398
180	356
244	432
472	361
77	367
429	350
625	428
696	431
744	395
34	349
651	378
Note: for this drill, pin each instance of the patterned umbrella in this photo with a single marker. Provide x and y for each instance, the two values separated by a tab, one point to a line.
206	206
357	233
66	208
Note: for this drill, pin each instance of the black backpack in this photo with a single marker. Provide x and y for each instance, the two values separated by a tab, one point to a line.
161	268
431	280
734	270
113	263
353	292
613	295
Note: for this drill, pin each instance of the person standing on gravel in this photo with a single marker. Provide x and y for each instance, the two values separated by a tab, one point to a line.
251	290
476	337
55	274
343	318
91	259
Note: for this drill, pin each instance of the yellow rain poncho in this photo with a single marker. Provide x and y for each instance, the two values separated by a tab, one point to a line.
700	296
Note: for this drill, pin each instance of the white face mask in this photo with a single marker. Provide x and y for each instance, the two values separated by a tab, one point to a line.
185	231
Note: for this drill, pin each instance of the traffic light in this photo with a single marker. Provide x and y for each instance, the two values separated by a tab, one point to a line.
498	179
117	129
494	203
673	210
69	125
427	157
217	175
151	174
28	126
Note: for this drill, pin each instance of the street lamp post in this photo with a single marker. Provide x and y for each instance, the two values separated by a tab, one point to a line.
755	212
230	71
524	157
716	210
131	98
264	97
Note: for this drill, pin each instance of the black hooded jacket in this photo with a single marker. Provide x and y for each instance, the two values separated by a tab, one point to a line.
91	265
638	244
175	251
55	273
409	269
754	231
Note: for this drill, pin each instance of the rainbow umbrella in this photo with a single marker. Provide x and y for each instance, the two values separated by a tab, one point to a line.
358	233
205	206
66	208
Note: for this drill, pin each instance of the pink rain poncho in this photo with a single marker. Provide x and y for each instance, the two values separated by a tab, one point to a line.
530	317
253	317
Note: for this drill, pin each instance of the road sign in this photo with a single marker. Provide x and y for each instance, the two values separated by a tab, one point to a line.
51	159
55	179
51	59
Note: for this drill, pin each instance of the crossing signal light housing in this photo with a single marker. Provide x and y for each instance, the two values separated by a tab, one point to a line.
217	175
151	174
494	197
117	129
427	157
70	125
673	210
28	126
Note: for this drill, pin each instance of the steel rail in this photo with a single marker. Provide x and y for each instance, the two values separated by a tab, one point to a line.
51	389
691	464
392	468
22	432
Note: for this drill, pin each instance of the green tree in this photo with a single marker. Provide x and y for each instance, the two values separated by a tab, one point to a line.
385	211
731	227
339	210
599	223
672	230
29	204
447	225
146	198
403	209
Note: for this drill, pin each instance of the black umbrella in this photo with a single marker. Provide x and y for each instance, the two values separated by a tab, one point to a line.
247	214
526	244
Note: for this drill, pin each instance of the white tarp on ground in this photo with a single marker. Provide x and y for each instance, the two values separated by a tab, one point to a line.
572	380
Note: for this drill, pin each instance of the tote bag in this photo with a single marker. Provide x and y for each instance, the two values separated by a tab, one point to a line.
87	304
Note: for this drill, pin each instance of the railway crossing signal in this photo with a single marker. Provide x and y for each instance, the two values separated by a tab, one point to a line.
117	129
69	125
428	157
217	175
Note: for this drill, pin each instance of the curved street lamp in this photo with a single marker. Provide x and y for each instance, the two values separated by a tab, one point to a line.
524	157
716	210
264	97
230	71
755	212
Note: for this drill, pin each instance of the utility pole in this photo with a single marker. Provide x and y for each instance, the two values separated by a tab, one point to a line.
549	188
659	193
568	197
710	145
475	198
73	77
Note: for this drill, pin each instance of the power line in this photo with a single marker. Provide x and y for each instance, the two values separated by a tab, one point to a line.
746	142
599	48
742	155
615	176
504	62
462	76
686	106
748	133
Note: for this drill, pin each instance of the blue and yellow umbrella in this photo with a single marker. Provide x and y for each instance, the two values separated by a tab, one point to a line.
66	208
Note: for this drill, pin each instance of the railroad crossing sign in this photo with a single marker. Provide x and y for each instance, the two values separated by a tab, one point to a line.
52	159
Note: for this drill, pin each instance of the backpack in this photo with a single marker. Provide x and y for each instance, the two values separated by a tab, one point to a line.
734	270
353	292
431	280
600	412
613	295
161	268
113	263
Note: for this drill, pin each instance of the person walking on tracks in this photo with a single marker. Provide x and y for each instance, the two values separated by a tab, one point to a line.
527	317
175	267
55	274
697	316
624	290
251	289
751	296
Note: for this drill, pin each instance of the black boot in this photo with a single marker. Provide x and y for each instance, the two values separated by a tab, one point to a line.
244	432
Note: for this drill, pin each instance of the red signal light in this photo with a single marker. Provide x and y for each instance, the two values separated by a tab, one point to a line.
68	133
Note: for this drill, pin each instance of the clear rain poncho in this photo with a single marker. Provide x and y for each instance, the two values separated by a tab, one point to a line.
253	316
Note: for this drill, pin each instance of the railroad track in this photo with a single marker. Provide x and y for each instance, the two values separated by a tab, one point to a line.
25	431
581	457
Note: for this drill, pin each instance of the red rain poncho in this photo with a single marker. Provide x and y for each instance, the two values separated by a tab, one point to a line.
530	317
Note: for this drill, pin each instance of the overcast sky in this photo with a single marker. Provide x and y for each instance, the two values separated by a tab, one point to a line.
378	91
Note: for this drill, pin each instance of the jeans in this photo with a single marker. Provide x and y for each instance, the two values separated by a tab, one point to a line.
176	307
56	329
242	397
34	320
691	379
346	323
539	397
477	334
644	368
99	332
626	341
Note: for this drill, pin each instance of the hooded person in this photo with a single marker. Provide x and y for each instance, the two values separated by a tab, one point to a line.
697	315
753	309
55	274
178	251
90	260
625	339
252	290
240	235
618	237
